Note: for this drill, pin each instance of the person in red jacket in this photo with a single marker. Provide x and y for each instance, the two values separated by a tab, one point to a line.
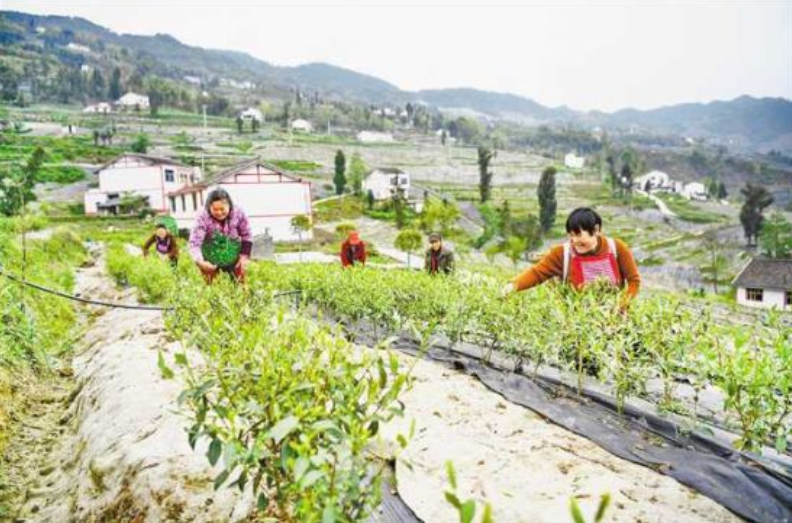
353	250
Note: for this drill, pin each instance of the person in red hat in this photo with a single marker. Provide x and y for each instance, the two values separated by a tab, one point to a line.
353	250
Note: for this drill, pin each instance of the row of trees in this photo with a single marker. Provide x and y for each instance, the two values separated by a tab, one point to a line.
356	172
43	80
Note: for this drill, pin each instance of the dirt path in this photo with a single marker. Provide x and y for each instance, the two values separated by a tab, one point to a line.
111	447
25	463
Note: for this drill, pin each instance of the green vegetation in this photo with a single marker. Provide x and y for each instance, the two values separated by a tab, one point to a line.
66	149
580	331
599	195
297	166
344	208
687	210
36	325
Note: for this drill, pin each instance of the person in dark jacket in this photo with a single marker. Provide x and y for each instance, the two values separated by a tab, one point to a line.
353	250
438	258
166	244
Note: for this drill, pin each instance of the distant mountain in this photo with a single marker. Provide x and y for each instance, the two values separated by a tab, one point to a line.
496	105
754	123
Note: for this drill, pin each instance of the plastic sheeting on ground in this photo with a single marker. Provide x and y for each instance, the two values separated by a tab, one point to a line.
745	485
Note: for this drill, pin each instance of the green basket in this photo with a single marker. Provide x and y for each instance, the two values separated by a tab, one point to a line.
169	224
221	250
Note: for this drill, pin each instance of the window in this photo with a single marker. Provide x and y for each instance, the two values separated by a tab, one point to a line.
754	294
184	205
788	298
195	201
172	203
169	175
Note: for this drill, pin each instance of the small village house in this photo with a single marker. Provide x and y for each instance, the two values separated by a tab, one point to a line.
385	182
374	137
765	283
140	175
269	196
302	126
133	101
573	161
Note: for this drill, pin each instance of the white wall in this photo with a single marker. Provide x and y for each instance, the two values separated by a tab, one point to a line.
186	208
133	175
91	199
272	205
145	181
575	162
770	299
380	185
267	206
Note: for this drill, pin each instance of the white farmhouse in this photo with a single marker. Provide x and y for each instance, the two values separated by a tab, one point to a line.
100	108
374	137
765	283
133	101
302	126
251	113
385	182
573	161
141	175
78	47
695	191
269	197
655	181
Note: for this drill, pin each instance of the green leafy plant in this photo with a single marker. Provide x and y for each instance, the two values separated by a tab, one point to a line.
286	405
599	516
466	509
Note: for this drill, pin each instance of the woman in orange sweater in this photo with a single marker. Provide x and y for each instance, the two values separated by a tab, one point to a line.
586	257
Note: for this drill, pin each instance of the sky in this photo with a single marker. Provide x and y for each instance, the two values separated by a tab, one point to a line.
604	55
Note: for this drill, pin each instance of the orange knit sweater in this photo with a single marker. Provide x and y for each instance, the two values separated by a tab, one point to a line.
552	265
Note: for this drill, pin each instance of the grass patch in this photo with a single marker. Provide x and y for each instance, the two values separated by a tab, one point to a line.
296	165
600	195
346	208
651	261
687	210
668	242
60	174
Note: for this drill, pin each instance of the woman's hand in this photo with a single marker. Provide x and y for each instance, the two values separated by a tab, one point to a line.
206	266
243	262
508	290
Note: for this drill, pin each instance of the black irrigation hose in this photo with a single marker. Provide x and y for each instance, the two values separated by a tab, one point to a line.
114	305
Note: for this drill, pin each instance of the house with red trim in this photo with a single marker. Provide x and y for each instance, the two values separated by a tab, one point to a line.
134	174
269	196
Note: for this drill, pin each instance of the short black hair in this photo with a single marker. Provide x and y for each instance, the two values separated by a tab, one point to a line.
583	219
217	195
161	225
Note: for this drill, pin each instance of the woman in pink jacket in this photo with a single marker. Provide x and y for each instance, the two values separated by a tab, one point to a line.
221	234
